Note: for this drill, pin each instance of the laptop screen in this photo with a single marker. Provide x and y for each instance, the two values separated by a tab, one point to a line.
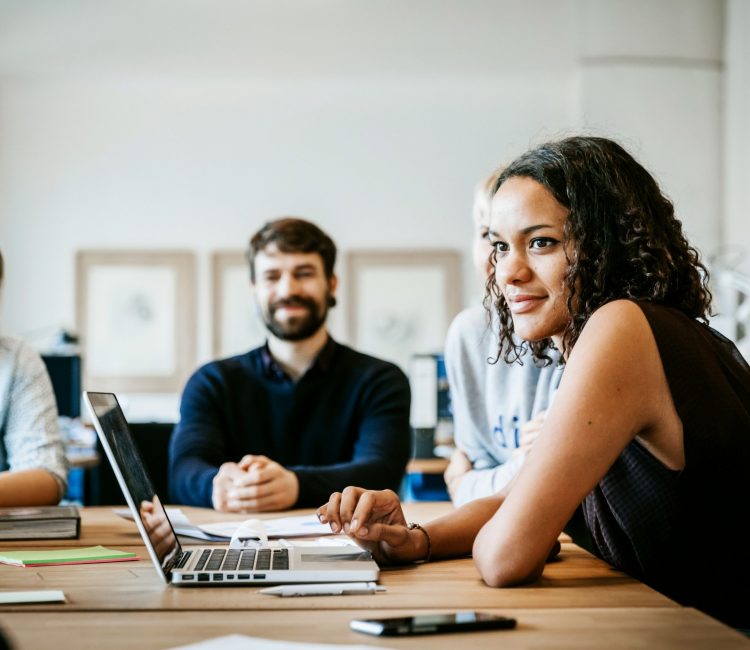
131	475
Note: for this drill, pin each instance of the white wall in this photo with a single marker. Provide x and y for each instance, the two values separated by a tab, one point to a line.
737	134
120	141
201	165
186	124
651	75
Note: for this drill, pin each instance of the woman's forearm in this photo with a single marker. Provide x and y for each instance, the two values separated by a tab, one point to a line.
28	487
453	534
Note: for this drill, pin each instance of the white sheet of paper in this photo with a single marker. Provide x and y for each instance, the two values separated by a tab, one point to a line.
35	596
296	526
242	642
180	523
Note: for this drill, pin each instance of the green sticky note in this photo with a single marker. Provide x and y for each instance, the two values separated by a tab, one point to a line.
63	556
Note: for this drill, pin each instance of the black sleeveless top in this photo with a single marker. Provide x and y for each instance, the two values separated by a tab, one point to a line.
681	531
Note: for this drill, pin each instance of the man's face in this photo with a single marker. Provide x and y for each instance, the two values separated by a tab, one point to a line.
293	292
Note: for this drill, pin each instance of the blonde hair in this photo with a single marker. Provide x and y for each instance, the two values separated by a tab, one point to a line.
483	195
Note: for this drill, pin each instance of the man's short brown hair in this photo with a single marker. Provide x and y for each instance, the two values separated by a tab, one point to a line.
293	235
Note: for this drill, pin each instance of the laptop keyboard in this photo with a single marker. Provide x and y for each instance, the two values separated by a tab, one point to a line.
248	559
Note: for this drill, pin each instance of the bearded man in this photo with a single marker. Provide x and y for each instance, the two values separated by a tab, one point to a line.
300	417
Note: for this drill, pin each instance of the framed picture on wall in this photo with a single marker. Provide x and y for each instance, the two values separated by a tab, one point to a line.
135	311
400	303
237	326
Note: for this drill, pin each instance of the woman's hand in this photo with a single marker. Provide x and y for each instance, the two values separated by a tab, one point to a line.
529	433
375	521
458	467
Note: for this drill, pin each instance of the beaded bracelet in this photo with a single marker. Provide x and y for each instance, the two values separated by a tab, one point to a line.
412	526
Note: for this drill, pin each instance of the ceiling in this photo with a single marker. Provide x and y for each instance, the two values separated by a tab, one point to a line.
285	39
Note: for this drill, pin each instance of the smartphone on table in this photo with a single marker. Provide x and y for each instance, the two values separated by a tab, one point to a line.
432	624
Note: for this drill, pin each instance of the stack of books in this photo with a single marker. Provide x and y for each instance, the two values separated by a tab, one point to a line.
44	522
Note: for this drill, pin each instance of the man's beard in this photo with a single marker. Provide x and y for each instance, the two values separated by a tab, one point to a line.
297	328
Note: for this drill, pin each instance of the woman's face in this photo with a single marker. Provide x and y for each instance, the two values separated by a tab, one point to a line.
526	230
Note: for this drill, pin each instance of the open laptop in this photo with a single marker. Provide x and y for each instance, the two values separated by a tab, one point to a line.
214	565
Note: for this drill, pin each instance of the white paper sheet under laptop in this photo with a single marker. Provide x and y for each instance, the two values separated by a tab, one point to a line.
267	563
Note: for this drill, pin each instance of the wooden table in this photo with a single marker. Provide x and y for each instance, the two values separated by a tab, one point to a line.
580	601
427	466
626	628
577	579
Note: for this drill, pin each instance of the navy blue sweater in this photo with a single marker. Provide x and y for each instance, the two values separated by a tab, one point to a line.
345	422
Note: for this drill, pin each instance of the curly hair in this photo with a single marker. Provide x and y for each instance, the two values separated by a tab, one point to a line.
624	238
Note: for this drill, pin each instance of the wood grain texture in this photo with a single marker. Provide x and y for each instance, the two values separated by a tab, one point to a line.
577	579
611	628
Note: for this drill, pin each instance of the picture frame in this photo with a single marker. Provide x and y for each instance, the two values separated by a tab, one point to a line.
401	302
237	325
135	312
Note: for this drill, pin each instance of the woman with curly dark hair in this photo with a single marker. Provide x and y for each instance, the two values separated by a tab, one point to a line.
649	435
628	242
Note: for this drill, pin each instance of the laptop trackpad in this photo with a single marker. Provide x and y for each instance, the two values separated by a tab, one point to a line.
338	556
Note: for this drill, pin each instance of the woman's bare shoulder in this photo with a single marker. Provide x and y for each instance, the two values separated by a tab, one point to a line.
617	345
617	310
617	322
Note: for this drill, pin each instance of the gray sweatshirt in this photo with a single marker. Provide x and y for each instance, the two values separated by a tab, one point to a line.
491	402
